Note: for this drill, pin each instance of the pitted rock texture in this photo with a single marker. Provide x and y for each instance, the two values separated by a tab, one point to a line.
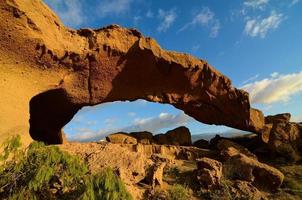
61	70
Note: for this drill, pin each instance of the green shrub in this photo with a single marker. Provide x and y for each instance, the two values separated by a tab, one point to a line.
105	186
46	172
177	192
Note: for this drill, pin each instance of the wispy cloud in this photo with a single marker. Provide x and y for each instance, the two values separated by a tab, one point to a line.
251	79
113	7
259	27
167	18
149	14
70	11
276	88
297	118
256	4
205	18
294	2
131	114
152	124
163	120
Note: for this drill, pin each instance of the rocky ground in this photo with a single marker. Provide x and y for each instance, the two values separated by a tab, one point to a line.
264	166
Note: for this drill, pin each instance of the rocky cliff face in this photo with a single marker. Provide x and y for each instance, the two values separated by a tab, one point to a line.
48	72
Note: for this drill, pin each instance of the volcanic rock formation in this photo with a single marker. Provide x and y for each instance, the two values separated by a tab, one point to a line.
53	71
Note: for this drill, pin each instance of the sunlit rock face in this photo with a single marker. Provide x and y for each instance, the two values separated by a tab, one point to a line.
67	69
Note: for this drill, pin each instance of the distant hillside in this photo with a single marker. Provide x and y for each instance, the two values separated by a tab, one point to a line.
209	136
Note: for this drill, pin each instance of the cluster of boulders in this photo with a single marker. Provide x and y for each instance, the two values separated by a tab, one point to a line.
180	136
283	138
236	163
229	159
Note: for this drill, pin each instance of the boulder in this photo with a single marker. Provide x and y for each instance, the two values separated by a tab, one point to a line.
203	144
85	67
143	137
229	149
279	118
209	172
245	190
161	139
121	138
179	136
286	140
263	176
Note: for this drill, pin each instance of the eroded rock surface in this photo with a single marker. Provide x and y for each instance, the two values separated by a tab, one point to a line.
248	169
209	172
64	70
282	137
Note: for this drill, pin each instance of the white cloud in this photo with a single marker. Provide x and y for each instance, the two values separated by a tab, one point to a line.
259	27
113	7
131	114
274	74
152	124
70	11
91	123
215	29
136	20
294	2
149	14
205	18
167	18
256	4
276	88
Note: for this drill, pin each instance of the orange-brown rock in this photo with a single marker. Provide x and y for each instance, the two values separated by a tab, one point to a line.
279	118
53	71
179	136
143	137
283	138
121	138
229	149
203	144
286	140
209	172
248	169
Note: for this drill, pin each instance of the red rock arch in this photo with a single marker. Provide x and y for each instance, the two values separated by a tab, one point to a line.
112	64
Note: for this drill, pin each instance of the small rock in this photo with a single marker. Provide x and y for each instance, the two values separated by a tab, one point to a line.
209	172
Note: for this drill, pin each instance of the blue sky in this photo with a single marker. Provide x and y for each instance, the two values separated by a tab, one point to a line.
256	43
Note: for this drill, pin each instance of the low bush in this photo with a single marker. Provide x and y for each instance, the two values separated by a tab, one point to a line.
178	192
46	172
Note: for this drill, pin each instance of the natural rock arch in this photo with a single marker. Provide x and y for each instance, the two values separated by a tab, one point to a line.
113	64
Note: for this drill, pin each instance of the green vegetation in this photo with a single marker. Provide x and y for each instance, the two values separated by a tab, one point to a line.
174	192
221	193
46	172
177	192
293	179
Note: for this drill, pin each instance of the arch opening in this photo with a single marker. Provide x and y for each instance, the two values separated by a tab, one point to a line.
52	112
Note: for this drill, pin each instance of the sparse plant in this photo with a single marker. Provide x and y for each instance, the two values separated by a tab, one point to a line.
177	192
46	172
